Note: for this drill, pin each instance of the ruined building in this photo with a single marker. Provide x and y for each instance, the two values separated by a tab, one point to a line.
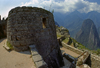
31	25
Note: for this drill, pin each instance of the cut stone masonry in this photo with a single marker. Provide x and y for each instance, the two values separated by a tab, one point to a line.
30	25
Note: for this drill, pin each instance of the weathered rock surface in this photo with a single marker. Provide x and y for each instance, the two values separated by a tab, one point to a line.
88	35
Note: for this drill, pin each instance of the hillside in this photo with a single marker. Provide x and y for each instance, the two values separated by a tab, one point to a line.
63	33
88	35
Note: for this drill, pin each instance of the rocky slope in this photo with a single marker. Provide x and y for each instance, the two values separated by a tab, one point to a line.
88	35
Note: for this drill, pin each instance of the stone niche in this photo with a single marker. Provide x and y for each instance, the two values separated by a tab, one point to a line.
32	25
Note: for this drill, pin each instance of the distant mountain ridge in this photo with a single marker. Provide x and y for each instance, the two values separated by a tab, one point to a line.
88	35
73	21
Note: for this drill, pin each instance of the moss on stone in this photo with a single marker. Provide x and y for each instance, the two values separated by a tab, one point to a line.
9	45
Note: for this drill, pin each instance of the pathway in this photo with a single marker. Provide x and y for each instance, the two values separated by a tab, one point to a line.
14	59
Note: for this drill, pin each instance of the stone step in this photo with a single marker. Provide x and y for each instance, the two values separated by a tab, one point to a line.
37	58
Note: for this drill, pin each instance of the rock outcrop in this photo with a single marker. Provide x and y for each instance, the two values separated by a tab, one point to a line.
88	35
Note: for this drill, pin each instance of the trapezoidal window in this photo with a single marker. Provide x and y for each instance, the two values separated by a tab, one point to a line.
44	23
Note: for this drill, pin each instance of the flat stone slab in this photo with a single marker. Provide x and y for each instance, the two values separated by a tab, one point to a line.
32	46
34	52
6	47
41	64
37	58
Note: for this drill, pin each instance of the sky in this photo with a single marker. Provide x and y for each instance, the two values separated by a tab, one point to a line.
62	6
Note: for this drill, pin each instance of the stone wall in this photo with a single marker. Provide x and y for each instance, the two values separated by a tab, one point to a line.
94	61
72	48
30	25
25	26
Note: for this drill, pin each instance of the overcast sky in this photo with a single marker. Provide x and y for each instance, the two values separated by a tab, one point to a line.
63	6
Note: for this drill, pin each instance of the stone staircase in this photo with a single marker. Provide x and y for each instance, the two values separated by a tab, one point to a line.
37	58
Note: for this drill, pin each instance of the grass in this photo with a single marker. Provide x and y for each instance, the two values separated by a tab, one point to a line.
58	35
72	44
79	63
97	52
9	45
66	40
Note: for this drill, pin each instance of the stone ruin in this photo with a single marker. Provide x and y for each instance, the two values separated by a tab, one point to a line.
30	25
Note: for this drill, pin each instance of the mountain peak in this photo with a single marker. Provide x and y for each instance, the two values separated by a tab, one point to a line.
88	35
75	12
87	23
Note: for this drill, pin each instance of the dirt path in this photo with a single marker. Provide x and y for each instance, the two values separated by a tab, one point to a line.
14	59
67	63
64	50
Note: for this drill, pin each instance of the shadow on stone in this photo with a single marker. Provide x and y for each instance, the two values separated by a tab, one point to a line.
88	61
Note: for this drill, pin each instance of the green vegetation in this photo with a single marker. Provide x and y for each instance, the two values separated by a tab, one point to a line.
82	47
97	52
9	45
58	35
79	45
71	41
66	40
79	63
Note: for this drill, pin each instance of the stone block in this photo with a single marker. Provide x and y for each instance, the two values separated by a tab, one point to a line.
37	58
6	47
23	43
23	48
32	46
41	64
33	50
15	43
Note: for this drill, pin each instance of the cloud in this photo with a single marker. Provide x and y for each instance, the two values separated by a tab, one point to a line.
32	2
89	6
59	6
62	6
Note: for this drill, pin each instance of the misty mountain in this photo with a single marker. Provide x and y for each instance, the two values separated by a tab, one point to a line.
95	16
56	23
73	21
59	17
88	35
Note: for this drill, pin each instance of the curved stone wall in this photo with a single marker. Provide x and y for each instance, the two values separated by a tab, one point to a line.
31	25
25	25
